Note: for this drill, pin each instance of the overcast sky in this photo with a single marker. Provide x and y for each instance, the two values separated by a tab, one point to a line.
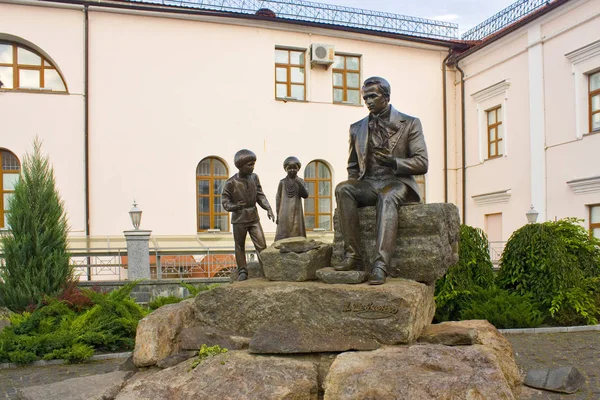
465	13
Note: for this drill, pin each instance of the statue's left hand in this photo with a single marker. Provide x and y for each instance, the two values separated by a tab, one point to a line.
270	215
385	159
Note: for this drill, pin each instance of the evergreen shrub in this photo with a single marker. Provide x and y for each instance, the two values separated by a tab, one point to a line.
557	263
503	309
473	271
35	248
57	330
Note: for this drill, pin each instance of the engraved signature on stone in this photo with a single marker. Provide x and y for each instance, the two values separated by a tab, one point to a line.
370	310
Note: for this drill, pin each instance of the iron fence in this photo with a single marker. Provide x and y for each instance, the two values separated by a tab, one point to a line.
174	263
507	16
326	14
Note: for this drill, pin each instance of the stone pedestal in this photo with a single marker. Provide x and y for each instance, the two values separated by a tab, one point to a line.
295	259
426	244
138	254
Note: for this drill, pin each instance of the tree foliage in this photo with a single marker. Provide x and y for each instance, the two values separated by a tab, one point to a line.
473	270
35	248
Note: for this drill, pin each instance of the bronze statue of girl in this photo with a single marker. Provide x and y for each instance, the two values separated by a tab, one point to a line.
291	191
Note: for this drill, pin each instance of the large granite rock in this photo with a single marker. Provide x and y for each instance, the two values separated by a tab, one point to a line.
389	314
477	332
295	259
330	275
426	245
100	386
418	372
194	337
156	334
233	375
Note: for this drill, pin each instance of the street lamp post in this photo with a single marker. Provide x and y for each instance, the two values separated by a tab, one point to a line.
531	215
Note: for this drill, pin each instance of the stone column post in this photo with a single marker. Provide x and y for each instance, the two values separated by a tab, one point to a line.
138	254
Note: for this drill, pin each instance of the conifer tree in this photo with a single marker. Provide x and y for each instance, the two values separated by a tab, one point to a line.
35	249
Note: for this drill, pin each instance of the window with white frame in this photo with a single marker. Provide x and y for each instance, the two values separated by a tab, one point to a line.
595	220
594	104
491	120
11	170
585	65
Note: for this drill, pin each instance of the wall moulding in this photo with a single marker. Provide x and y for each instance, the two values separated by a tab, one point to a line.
485	199
585	185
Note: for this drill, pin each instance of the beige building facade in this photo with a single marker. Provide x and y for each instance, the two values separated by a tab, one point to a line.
151	103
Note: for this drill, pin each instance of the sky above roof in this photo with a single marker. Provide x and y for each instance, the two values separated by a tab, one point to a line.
465	13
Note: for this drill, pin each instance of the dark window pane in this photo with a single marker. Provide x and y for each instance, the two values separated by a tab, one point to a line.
203	187
204	222
203	204
218	186
309	205
325	222
309	171
219	168
203	168
220	222
309	221
324	171
325	188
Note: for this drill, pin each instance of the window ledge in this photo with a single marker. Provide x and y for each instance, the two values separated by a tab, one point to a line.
346	104
290	99
36	91
585	185
492	198
591	133
494	158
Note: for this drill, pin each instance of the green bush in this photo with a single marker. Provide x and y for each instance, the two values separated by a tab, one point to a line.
193	292
554	262
35	248
163	300
56	330
501	308
473	270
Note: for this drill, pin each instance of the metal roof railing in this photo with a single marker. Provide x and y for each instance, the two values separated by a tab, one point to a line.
326	14
510	14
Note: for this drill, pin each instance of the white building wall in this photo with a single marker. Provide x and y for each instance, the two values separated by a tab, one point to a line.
545	150
166	92
57	119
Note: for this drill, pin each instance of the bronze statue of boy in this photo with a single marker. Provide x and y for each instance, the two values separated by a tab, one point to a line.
240	195
386	149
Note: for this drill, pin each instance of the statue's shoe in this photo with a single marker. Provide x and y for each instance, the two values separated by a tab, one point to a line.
349	264
377	276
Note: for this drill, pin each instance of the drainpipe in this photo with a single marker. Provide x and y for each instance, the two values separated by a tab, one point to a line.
444	94
86	126
463	144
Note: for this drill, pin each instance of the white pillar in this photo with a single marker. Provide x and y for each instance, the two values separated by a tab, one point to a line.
537	127
138	254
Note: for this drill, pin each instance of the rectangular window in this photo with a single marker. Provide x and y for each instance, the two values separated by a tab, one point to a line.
595	220
346	79
290	76
494	132
594	100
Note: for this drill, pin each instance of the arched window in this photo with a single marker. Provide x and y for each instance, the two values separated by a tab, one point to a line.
11	169
211	175
22	68
317	207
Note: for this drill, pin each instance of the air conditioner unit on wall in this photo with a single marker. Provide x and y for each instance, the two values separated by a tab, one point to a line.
323	54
